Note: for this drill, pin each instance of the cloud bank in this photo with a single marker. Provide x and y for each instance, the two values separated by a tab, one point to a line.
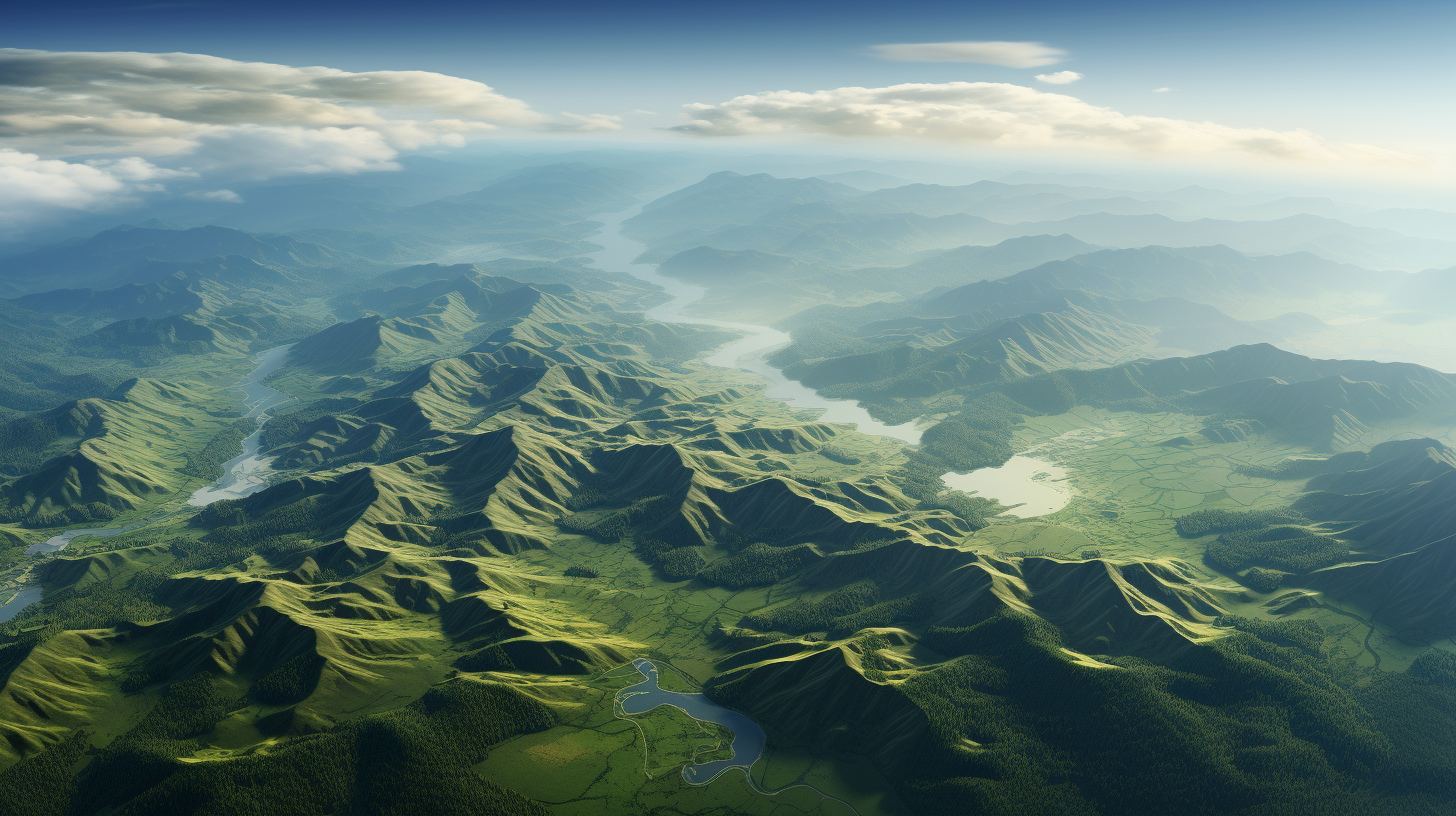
193	115
1010	54
1008	116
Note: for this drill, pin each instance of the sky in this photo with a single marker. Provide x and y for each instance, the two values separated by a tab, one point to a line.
1325	89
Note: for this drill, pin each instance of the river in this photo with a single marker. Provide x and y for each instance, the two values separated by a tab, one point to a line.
247	473
1016	484
243	475
620	254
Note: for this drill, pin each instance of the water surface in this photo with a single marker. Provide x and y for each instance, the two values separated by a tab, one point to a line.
242	475
25	597
748	737
1026	484
620	255
247	473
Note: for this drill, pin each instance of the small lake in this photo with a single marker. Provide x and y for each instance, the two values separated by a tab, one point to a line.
748	737
1028	485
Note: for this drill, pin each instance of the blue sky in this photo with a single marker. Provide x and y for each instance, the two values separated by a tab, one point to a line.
1352	71
1326	90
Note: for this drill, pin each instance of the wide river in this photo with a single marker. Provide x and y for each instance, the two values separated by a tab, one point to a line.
1028	485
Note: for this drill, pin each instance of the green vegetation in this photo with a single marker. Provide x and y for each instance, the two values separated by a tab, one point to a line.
1263	580
98	605
802	616
289	426
757	565
416	759
681	563
502	482
290	683
207	463
672	739
90	512
914	607
42	784
1206	522
1265	538
617	524
1291	549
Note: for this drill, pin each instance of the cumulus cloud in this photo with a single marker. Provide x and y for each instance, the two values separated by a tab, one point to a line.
1009	116
201	115
31	185
1060	77
1161	90
1010	54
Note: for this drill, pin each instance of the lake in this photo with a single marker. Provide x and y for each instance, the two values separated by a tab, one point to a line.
1028	485
748	737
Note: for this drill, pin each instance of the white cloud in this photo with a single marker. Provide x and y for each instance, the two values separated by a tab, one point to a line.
1009	116
203	116
226	196
1010	54
30	185
1161	90
1060	77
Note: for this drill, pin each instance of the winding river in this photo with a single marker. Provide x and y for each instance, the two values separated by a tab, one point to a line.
620	254
1028	485
247	473
242	475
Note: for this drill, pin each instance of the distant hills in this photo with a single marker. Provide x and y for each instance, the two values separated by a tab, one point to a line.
131	255
731	211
